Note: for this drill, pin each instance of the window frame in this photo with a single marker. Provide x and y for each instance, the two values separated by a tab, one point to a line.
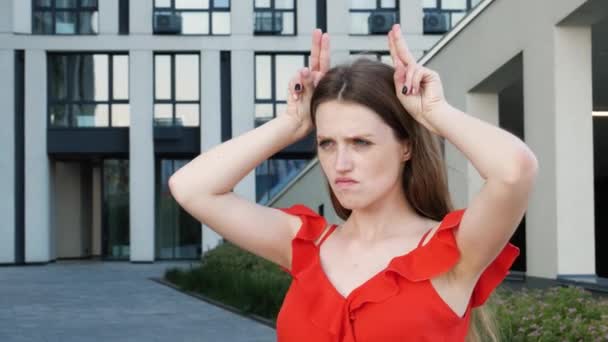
173	101
53	10
378	7
439	9
70	89
273	101
378	53
272	9
210	10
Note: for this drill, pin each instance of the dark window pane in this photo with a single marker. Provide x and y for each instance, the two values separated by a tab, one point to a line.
65	23
120	77
91	115
195	22
162	77
186	78
91	77
120	115
186	115
43	22
42	3
65	3
59	115
88	3
58	77
263	79
192	4
283	4
116	203
221	3
221	23
88	22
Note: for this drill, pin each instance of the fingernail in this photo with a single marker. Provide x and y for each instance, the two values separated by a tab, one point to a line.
298	87
404	90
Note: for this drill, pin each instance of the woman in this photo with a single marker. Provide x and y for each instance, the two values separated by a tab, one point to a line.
404	265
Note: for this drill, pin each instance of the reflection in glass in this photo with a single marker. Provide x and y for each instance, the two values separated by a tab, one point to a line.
90	77
221	23
285	66
262	77
43	22
195	22
221	3
186	77
274	174
162	77
90	115
120	77
120	115
116	208
358	23
178	235
59	116
65	3
186	115
88	22
65	22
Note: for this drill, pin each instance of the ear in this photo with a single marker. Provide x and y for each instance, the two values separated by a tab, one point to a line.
406	151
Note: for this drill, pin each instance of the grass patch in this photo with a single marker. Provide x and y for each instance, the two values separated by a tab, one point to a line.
256	286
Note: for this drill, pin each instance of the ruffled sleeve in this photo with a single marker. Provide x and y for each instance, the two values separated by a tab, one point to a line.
303	248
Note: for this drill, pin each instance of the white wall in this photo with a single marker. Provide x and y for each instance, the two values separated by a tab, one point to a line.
7	157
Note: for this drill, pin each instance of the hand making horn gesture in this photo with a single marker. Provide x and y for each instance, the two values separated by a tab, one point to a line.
302	84
418	88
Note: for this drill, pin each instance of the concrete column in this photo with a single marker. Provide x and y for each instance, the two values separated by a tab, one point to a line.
307	17
140	17
6	18
37	170
108	16
411	15
558	68
241	18
141	162
485	107
338	17
22	16
7	157
211	122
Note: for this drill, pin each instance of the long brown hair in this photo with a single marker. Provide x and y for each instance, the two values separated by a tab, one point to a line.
370	83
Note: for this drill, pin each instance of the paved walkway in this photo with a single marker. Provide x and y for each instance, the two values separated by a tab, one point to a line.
111	301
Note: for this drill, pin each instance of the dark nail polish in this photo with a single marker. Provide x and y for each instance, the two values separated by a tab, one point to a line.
404	90
298	87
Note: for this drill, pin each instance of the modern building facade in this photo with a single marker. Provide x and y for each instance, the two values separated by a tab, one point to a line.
104	99
540	72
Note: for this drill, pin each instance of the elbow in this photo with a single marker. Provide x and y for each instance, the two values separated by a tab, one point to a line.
176	189
525	168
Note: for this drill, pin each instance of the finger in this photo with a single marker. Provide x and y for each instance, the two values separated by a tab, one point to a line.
391	48
409	77
416	80
324	55
401	47
295	86
315	49
307	80
399	77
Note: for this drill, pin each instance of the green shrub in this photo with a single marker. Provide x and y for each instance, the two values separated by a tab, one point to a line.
255	285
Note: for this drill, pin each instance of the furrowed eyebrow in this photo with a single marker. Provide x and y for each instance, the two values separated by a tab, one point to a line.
350	138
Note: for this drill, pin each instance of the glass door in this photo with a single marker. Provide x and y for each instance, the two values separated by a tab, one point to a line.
115	209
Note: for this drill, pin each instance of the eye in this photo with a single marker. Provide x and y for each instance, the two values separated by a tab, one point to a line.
361	142
322	143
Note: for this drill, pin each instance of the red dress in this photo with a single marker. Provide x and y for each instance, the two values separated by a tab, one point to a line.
397	304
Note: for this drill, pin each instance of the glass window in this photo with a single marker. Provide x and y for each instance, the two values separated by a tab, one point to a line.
381	56
274	17
80	93
454	4
177	89
274	174
441	16
65	17
202	17
273	71
373	16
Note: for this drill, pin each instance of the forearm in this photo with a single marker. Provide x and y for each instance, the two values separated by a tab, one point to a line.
219	169
494	152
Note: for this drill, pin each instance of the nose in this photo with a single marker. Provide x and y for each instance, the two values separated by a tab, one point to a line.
343	160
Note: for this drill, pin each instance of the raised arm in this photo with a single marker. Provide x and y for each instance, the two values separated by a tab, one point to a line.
203	187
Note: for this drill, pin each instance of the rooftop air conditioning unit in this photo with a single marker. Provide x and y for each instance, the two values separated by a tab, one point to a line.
381	21
268	23
167	23
436	22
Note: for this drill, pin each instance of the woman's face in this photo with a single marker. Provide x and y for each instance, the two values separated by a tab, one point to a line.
354	142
